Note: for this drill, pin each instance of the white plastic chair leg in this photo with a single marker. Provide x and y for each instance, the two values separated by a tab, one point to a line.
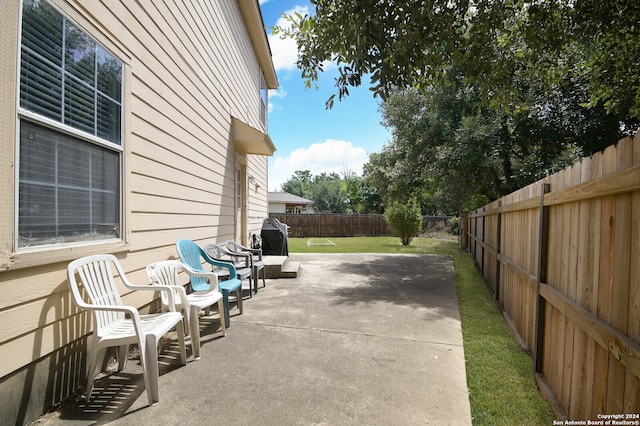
123	352
183	349
150	369
186	318
194	321
94	365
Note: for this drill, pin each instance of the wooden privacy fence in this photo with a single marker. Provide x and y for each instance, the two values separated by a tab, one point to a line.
333	225
343	225
562	257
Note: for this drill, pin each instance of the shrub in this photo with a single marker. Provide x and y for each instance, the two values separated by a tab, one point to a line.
453	225
404	219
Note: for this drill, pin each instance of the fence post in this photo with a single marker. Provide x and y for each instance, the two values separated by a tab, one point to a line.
543	239
475	236
498	248
464	238
484	233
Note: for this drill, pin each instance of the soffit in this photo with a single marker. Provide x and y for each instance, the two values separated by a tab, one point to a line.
250	140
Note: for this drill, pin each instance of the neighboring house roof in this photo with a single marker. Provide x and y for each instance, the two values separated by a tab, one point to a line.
286	198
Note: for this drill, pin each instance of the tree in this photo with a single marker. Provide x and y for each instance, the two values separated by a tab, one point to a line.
299	184
610	32
384	39
325	190
327	193
360	196
455	154
408	43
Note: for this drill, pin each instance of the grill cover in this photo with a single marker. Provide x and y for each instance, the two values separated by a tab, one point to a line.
274	238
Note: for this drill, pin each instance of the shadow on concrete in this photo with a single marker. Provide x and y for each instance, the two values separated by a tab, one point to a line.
420	281
114	395
355	339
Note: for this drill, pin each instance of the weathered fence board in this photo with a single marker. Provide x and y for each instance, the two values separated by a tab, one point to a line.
564	264
343	225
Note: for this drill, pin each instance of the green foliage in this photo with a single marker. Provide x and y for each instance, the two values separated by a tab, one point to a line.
409	43
404	219
483	98
453	225
361	197
299	184
328	194
610	33
333	194
325	190
450	150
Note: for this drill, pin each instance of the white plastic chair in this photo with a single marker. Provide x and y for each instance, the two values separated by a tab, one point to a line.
111	325
165	273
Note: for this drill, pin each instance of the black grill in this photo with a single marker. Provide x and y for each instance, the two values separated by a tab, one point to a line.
274	238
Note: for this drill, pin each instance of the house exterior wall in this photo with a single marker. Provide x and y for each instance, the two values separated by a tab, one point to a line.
277	208
257	195
188	68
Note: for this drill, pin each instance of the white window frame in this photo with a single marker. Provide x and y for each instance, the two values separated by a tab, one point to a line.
116	242
264	100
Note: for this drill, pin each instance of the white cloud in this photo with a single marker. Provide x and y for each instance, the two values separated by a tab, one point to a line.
273	94
284	53
329	156
277	93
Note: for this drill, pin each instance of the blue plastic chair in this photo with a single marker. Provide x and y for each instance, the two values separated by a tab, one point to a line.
192	255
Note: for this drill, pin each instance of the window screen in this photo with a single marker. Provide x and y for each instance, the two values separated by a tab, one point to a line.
69	189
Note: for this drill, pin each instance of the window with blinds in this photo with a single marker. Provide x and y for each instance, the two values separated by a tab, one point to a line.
70	133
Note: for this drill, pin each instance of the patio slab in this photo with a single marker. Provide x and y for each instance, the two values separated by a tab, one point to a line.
355	339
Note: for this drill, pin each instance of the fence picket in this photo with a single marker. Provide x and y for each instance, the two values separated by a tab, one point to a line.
586	344
343	225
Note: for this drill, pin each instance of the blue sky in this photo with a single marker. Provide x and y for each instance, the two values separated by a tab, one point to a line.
306	135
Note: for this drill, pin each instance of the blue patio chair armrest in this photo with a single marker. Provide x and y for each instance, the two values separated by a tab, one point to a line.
210	276
195	273
221	264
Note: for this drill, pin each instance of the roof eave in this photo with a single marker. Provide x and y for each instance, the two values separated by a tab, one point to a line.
252	17
249	140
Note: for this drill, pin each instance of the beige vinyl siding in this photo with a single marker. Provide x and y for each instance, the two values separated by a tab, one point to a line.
189	67
257	209
43	316
277	208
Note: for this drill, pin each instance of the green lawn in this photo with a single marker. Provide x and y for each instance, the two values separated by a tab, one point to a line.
502	390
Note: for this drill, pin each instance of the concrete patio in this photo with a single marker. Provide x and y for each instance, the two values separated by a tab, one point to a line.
355	339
